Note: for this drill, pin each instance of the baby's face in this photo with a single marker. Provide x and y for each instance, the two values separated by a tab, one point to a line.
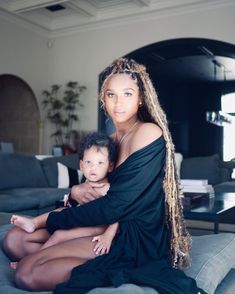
95	164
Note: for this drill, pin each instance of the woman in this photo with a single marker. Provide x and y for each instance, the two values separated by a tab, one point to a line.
143	197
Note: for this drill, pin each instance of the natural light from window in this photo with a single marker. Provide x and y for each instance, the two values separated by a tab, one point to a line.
228	106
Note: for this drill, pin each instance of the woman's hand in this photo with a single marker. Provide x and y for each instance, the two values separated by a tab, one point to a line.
86	192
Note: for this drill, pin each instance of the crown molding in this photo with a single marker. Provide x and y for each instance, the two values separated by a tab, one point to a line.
182	7
19	21
154	10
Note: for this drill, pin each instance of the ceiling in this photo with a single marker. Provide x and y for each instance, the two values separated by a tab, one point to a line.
199	60
63	16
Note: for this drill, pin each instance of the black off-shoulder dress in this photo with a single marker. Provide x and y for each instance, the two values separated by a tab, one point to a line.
140	252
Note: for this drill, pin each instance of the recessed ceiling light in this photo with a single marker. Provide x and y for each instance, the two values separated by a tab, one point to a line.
54	8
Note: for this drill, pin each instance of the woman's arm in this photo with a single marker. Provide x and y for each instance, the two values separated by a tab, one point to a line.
142	173
85	192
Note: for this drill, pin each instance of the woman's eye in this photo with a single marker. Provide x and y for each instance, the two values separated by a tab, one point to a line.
101	163
128	94
110	95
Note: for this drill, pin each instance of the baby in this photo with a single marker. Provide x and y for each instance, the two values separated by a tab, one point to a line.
97	155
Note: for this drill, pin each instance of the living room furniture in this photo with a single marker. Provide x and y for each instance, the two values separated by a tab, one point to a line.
213	267
6	147
212	168
30	186
214	210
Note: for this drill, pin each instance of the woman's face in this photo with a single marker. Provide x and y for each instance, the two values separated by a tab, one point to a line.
121	98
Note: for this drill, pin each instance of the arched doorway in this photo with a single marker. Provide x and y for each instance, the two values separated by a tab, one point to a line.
19	114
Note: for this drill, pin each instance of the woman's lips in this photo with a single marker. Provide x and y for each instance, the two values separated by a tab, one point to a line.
119	113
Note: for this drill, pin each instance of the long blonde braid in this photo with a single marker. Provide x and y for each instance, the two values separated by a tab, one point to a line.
152	111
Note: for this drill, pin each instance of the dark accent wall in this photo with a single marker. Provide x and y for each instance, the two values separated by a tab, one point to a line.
185	105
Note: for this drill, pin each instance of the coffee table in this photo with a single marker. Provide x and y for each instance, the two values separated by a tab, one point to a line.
215	209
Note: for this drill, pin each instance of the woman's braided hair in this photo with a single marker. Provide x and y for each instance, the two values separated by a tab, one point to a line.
151	111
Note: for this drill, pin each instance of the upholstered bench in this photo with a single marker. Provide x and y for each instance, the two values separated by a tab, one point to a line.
213	262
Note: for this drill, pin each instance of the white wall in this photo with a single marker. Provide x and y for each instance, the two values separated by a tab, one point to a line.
24	54
82	56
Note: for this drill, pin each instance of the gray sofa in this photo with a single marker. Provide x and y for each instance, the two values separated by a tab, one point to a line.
30	186
213	267
217	172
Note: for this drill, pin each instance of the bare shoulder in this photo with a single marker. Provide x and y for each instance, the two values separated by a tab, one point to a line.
145	135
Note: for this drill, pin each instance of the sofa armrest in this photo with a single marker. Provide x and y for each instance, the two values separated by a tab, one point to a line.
225	174
226	170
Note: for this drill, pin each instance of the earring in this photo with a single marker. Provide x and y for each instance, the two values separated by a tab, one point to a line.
140	104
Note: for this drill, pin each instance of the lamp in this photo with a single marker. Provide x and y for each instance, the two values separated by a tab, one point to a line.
219	118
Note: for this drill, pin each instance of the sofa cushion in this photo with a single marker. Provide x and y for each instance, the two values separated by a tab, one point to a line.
22	199
228	284
225	187
205	167
49	166
212	258
20	170
67	176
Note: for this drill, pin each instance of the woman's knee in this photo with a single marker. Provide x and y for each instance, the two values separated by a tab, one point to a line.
24	274
32	276
12	244
23	278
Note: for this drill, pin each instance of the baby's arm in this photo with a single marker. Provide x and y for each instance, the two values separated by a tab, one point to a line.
104	241
60	236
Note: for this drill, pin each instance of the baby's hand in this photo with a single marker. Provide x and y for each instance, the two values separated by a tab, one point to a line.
103	244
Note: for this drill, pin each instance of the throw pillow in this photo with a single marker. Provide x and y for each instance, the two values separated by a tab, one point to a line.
204	167
68	177
50	169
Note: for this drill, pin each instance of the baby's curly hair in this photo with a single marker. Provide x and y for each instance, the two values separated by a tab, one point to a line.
99	140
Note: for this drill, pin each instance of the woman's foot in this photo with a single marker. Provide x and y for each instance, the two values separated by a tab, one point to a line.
25	223
13	264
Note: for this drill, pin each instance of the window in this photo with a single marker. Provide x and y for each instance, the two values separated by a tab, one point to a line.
228	106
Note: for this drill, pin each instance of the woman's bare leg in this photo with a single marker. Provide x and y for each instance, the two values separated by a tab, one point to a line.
18	243
45	269
60	236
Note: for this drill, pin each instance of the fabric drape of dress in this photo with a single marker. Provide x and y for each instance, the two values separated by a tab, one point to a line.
140	252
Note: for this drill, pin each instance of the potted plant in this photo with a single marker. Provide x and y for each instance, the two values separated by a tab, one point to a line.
62	104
